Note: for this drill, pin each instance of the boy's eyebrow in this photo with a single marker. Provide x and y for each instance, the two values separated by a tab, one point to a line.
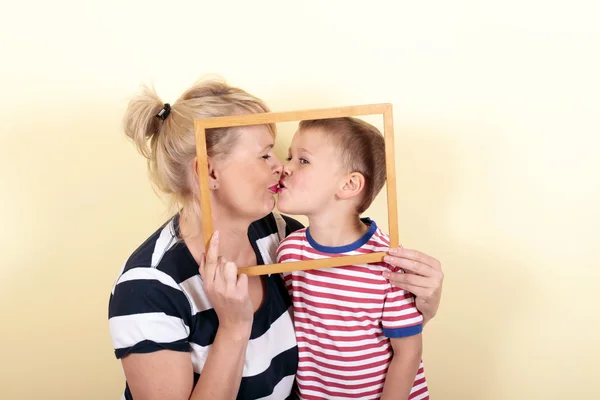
268	147
305	150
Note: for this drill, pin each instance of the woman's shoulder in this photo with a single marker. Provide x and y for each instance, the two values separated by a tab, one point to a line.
163	251
292	225
266	234
153	289
157	269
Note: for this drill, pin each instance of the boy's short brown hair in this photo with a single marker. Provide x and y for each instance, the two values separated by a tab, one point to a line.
362	149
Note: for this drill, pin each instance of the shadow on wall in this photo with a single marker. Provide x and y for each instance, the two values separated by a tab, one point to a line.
79	203
487	287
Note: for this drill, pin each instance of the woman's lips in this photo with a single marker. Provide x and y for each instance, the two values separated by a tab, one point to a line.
277	188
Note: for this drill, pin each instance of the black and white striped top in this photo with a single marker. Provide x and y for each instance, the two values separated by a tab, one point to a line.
158	303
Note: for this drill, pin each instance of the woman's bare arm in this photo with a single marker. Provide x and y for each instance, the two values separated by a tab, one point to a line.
169	375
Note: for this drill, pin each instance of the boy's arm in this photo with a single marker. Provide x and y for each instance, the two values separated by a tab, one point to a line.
403	324
403	367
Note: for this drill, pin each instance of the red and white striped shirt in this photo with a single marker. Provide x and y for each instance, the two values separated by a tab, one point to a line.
344	317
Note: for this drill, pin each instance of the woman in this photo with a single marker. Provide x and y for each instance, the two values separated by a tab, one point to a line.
181	334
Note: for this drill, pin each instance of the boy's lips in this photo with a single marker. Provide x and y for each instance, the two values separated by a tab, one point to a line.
281	187
277	188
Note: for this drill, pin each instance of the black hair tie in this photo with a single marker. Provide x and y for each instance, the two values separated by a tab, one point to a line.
164	112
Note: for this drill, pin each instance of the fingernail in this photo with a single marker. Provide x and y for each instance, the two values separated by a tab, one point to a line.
393	251
387	258
216	235
386	274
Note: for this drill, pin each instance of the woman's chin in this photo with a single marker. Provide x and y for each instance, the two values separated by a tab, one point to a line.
270	204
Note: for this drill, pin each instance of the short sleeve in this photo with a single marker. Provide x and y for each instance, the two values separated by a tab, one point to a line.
287	280
401	318
148	312
287	276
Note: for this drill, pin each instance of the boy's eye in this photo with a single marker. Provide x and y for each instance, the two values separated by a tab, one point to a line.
301	160
266	156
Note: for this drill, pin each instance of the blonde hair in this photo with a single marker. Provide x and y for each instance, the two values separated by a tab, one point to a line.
362	149
169	145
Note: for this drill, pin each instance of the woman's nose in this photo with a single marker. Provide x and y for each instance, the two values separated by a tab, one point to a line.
277	168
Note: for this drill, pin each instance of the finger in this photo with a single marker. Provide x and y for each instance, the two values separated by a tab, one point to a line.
230	276
394	250
212	258
410	279
202	266
418	291
219	274
410	265
416	256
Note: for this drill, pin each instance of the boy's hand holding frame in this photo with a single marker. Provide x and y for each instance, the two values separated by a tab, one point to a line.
291	116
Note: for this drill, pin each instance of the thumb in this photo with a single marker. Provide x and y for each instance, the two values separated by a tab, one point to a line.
242	283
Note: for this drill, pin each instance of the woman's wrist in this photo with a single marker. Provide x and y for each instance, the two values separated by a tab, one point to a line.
235	333
222	373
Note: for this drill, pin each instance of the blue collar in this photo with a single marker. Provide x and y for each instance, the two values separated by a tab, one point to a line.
348	247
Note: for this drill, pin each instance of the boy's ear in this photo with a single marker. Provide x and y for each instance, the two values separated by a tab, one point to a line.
212	174
352	186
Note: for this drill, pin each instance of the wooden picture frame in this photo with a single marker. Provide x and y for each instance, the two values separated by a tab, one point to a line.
202	125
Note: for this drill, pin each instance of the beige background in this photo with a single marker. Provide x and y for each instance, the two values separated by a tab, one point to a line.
497	118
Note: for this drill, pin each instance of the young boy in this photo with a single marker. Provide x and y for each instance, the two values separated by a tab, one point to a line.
359	337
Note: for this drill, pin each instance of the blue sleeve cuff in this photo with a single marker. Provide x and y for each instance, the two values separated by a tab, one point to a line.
403	332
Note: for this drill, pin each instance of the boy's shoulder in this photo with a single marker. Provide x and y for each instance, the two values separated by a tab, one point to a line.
292	246
380	239
298	235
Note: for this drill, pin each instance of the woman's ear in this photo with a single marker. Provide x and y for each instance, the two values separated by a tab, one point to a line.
212	174
352	186
213	182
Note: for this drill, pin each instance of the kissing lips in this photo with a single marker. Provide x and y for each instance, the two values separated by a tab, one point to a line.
274	188
277	188
281	186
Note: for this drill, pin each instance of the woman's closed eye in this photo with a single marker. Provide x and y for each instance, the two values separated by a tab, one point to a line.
266	156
